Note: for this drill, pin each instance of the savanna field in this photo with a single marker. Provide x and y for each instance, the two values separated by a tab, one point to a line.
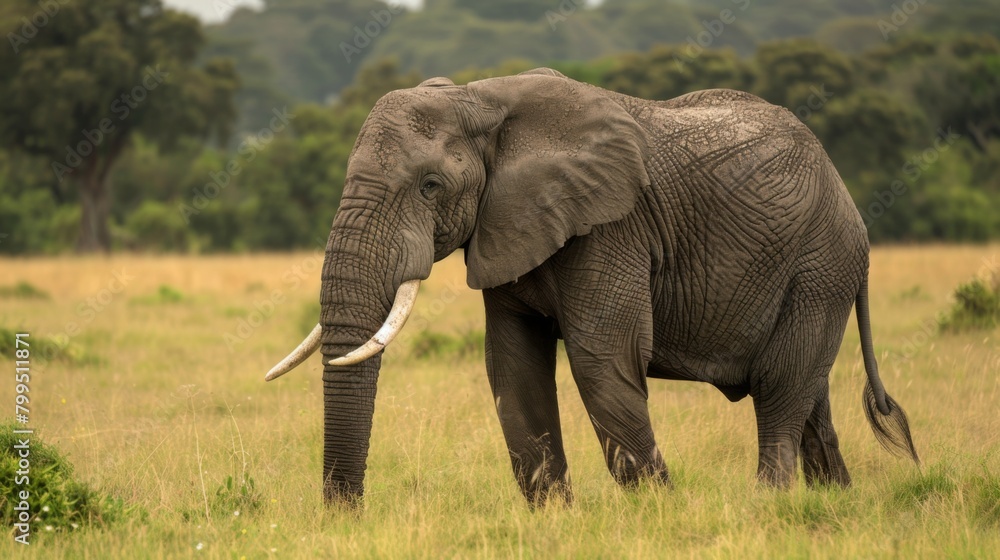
159	404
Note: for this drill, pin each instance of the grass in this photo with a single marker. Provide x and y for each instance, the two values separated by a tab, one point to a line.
175	421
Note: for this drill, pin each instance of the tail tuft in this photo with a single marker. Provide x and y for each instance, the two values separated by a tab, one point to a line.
891	430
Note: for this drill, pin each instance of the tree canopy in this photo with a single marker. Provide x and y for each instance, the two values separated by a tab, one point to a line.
76	91
243	144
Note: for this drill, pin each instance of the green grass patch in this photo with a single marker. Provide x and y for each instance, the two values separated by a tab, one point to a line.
57	500
22	290
913	293
816	509
165	294
234	311
913	492
982	497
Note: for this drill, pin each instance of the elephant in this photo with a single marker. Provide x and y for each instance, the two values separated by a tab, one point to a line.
704	238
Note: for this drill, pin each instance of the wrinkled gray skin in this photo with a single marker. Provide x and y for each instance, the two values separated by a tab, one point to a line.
706	238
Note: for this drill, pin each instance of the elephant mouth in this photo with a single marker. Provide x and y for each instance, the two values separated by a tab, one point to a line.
402	306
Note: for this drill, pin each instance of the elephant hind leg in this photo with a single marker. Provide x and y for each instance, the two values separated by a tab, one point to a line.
822	462
779	434
790	391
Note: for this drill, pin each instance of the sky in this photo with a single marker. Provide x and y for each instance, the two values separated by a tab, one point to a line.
213	11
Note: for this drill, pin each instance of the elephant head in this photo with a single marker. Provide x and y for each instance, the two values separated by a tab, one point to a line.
508	168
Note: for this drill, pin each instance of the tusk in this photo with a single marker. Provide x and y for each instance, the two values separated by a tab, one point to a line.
299	355
401	308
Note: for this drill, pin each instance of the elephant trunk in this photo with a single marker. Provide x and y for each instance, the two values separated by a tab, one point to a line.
357	292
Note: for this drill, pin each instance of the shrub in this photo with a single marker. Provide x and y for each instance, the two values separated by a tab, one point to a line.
234	497
431	344
43	349
164	294
157	227
22	290
56	498
977	306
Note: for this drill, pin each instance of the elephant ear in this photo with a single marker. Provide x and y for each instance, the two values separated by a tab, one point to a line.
562	157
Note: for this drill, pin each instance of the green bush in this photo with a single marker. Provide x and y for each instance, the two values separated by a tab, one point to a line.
45	349
57	500
431	344
977	306
164	294
155	226
22	290
237	498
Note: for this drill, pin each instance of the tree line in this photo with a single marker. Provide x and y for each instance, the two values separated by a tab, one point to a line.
125	125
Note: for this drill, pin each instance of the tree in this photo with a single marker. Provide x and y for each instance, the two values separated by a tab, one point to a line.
524	10
668	71
800	72
376	80
962	89
80	82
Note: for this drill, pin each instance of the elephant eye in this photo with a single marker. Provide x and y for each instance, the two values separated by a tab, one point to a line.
430	187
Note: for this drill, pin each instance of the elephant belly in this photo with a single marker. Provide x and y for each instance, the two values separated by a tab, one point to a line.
728	374
709	327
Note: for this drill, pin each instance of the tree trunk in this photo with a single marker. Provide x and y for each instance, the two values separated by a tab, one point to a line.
95	206
95	196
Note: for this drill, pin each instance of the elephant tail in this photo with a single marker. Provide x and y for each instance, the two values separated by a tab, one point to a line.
886	417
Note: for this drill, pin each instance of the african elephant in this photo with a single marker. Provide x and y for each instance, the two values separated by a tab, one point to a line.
706	238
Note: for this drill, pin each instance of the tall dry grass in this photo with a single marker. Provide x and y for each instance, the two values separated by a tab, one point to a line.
161	408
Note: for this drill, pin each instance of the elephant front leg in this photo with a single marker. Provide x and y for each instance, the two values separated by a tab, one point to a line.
614	392
607	319
521	363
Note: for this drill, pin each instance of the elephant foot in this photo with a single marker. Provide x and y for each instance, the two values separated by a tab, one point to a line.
343	496
628	472
823	465
557	493
547	481
776	464
822	462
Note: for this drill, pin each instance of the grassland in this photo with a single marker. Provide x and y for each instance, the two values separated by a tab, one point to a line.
160	401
